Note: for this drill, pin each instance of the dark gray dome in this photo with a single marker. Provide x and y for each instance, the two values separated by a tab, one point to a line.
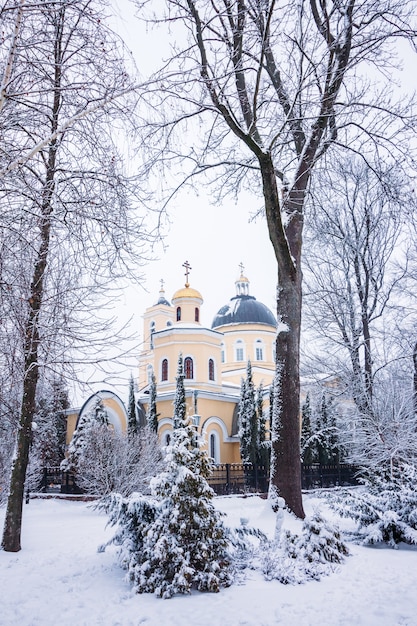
163	300
244	309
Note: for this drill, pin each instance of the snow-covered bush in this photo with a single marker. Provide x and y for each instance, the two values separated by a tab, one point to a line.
113	461
385	511
309	556
175	540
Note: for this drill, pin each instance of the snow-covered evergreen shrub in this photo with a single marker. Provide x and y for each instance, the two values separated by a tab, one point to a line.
174	541
309	556
385	511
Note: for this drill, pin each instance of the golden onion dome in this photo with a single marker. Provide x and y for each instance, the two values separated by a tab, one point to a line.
187	292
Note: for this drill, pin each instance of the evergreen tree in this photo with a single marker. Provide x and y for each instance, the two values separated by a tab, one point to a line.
132	421
264	446
175	541
152	415
96	417
49	437
322	432
248	422
328	448
180	407
307	439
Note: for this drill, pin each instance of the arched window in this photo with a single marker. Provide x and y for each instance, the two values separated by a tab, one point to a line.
211	369
240	353
164	370
188	367
152	330
214	448
259	350
167	439
178	313
223	352
196	314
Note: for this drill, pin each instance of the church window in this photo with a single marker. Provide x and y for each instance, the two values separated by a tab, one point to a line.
214	447
188	367
152	329
164	370
240	355
178	313
196	314
259	350
211	369
223	353
167	439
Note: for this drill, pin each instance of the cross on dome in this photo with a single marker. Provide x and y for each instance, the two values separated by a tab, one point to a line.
242	284
187	272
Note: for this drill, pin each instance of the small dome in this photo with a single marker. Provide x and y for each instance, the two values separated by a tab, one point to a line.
187	292
162	299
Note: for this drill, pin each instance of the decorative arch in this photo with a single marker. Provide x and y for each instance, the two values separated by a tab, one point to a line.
116	410
205	428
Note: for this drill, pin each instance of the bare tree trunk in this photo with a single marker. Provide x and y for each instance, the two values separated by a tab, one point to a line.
13	521
286	428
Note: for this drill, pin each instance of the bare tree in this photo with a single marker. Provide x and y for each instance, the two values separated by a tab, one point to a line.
114	462
275	86
68	228
357	242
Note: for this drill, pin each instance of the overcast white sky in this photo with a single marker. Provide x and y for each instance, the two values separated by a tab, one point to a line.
215	239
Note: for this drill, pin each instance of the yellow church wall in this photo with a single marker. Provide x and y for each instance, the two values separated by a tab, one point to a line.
115	407
184	334
181	340
71	423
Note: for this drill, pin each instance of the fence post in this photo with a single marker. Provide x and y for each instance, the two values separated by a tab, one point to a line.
227	478
45	480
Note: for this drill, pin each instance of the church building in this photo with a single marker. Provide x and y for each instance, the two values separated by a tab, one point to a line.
214	359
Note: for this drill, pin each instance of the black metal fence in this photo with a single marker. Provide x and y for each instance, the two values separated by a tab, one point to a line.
54	480
233	478
230	478
340	475
227	478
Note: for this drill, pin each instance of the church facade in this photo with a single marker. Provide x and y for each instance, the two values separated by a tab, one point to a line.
215	361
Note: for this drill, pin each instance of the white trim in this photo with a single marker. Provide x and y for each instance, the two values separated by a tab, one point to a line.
165	421
216	420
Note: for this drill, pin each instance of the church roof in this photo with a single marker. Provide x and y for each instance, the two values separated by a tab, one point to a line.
187	292
162	299
243	309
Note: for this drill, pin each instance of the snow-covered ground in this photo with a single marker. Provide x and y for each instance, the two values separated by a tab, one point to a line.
59	578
